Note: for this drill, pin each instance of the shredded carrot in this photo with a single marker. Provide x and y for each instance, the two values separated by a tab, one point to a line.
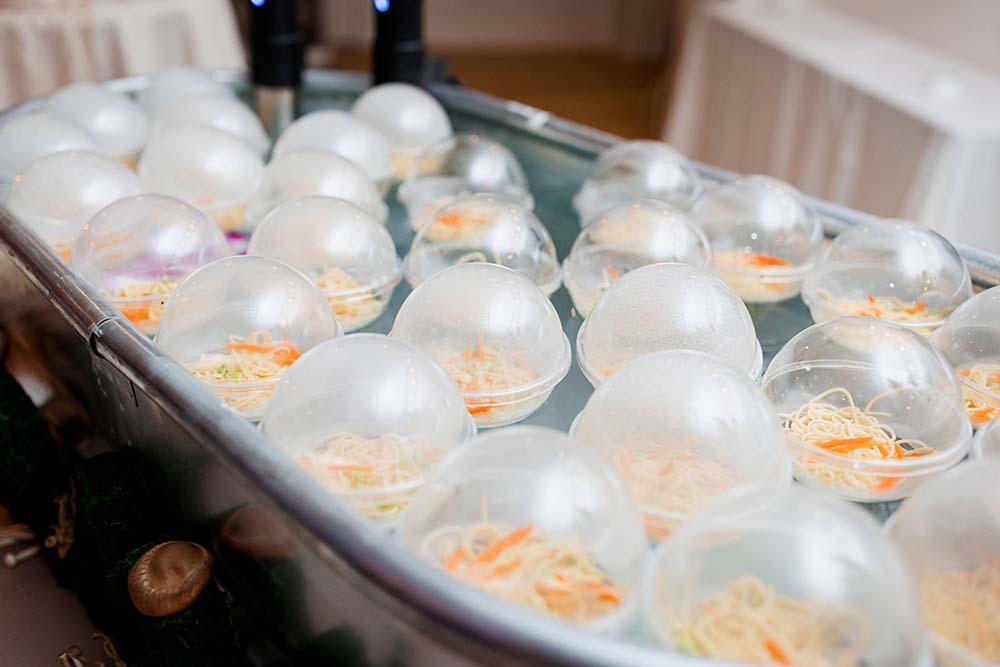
479	407
758	260
983	415
455	560
505	569
887	483
923	451
135	315
250	347
489	555
964	372
612	272
346	467
918	307
452	219
65	252
994	378
871	299
482	349
849	444
667	468
778	653
286	353
467	353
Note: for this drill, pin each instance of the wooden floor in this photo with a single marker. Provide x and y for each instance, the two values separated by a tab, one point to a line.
622	97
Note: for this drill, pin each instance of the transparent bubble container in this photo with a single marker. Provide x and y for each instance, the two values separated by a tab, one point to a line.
494	332
56	194
666	306
339	132
624	238
237	324
116	123
528	515
987	441
680	428
890	269
346	252
206	167
637	170
26	137
136	250
303	173
368	417
970	340
461	165
765	238
408	117
484	228
907	423
783	577
222	112
949	533
169	86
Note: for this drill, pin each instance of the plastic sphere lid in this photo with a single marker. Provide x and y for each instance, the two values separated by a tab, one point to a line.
26	137
538	477
484	228
667	306
987	441
409	117
755	542
222	112
173	84
339	132
637	170
56	194
116	123
303	173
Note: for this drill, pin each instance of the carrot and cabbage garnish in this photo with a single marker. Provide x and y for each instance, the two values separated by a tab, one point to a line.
890	308
756	276
483	369
986	375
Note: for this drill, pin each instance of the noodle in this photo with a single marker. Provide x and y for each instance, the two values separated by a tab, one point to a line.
749	622
987	376
145	315
484	370
852	433
747	274
352	306
457	223
347	462
254	359
889	308
963	607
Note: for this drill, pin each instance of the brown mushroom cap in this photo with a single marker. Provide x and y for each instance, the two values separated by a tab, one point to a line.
168	578
256	532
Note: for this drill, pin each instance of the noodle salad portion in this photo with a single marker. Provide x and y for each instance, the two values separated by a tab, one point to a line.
987	376
889	308
748	621
457	223
137	302
756	277
963	608
353	305
486	374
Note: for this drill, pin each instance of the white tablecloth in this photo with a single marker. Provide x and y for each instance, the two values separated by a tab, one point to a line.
55	43
843	111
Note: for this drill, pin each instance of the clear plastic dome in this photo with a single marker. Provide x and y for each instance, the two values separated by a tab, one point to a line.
368	417
462	165
522	512
987	441
637	170
26	137
666	307
342	249
56	194
206	167
624	238
680	428
339	132
870	409
949	533
169	86
237	324
496	334
136	250
484	228
891	269
765	238
116	123
783	577
303	173
222	112
409	118
970	340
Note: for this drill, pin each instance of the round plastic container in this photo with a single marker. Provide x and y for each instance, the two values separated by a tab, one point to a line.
222	112
339	132
462	165
680	428
666	307
115	123
56	194
765	238
987	441
169	86
303	173
368	417
783	577
343	250
544	511
26	137
891	269
637	170
238	323
949	533
970	340
624	238
409	118
484	228
206	167
899	386
496	334
136	250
